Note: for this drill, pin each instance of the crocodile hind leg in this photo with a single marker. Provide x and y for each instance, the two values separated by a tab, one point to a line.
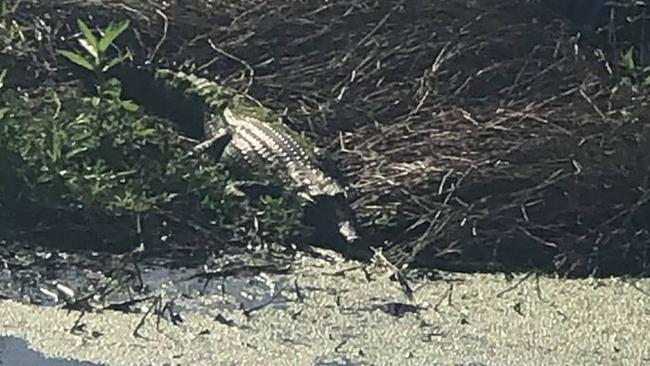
259	147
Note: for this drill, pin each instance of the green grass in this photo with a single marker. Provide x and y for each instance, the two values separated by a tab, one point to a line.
71	159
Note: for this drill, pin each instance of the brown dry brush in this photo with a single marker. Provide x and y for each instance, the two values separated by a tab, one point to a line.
473	135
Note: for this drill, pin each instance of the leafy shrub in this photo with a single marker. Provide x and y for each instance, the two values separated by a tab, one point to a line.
75	162
70	154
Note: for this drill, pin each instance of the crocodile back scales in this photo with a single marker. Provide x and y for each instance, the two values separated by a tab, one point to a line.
266	147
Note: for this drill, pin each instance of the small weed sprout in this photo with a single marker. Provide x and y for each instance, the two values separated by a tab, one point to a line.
96	48
635	71
98	62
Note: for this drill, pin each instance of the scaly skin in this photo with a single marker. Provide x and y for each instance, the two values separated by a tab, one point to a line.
260	141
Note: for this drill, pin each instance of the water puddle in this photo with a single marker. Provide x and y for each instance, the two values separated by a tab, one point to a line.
15	351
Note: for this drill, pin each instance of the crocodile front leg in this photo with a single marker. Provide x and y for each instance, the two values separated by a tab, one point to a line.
256	145
215	145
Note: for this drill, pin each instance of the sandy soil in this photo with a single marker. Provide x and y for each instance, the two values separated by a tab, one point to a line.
339	321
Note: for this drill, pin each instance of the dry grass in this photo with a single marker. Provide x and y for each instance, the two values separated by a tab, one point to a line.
472	135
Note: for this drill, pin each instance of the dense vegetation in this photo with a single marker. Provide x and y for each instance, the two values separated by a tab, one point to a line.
82	165
491	135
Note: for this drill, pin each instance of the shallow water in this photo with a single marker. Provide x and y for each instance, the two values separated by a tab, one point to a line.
48	277
15	351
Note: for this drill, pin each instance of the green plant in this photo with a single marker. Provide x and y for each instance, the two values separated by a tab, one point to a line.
96	58
634	71
627	37
99	62
16	38
76	162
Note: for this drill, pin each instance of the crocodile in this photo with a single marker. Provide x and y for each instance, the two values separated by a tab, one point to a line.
252	140
260	141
